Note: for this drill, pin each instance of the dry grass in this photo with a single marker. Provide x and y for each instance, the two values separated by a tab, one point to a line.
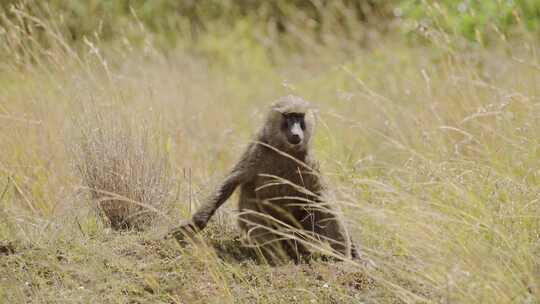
125	167
432	151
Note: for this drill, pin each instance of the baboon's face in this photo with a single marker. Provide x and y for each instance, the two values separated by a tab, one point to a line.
290	124
293	126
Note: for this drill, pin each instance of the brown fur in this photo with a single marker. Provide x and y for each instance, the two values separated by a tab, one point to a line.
281	208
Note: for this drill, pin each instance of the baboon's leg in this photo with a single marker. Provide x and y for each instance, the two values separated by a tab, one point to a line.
253	222
263	234
267	243
329	226
272	247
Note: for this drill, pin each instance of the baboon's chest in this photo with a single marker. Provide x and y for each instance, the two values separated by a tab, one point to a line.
283	182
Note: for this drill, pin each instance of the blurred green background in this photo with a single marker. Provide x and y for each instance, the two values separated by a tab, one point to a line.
173	21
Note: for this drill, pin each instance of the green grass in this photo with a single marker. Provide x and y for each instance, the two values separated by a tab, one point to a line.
431	150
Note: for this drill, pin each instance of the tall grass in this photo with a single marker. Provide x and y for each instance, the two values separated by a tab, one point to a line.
432	151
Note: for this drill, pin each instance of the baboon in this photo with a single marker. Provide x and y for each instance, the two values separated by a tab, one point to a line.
281	208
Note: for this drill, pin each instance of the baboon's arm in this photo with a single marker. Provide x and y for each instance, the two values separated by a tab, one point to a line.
216	199
241	173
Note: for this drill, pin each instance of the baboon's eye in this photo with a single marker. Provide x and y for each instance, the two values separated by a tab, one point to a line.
302	124
298	118
289	119
285	122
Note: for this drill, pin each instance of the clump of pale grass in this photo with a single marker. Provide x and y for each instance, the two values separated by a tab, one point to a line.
124	167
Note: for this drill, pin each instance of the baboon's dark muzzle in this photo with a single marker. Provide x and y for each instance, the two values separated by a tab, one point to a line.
296	135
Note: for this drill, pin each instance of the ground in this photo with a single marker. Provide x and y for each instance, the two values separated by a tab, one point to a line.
133	267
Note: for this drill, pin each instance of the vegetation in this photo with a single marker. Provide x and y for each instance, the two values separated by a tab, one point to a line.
428	135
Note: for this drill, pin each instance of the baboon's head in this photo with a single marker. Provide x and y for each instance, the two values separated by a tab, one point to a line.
289	124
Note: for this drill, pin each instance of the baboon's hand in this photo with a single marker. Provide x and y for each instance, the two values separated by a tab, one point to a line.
186	230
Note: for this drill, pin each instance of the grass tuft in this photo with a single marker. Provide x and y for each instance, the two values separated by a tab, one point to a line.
124	168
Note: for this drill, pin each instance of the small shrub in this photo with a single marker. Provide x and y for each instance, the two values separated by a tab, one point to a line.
122	165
